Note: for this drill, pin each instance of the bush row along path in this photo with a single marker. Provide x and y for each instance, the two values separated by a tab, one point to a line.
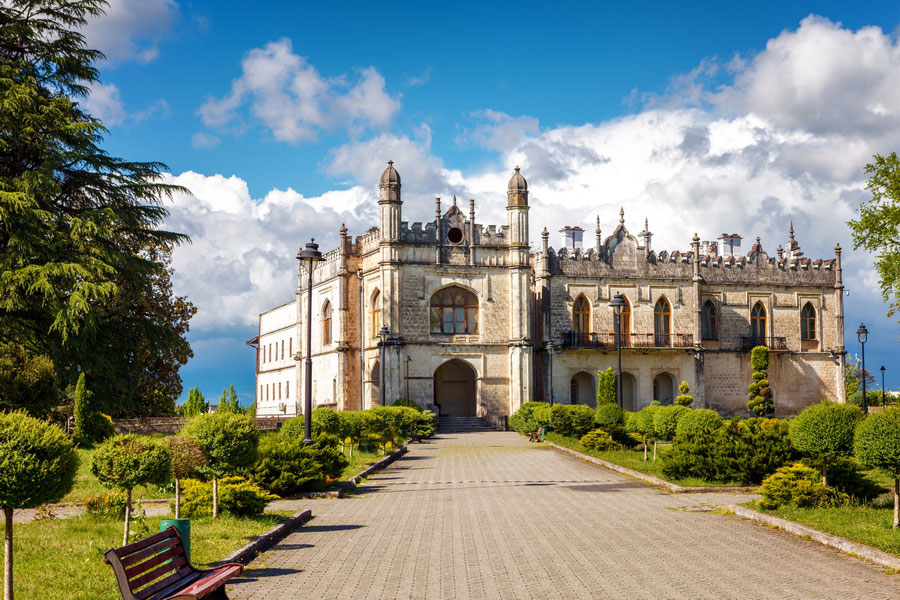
488	515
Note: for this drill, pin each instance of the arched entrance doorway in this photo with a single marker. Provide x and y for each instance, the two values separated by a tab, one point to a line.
582	390
664	388
454	389
628	388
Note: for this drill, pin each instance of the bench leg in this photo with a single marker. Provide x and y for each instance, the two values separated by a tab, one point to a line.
219	594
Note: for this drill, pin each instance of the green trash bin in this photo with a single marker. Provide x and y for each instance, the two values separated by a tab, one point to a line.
184	529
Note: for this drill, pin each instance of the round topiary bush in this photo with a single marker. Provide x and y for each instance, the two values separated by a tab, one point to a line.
877	446
187	456
325	421
523	419
609	416
698	420
825	431
666	418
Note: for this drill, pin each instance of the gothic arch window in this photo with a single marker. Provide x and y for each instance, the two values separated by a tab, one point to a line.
581	316
709	321
375	303
662	322
808	322
758	323
454	310
326	325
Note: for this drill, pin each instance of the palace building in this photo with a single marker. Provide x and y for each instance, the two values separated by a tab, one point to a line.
465	319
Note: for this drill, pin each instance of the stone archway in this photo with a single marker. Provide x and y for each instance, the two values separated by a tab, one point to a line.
664	388
583	390
455	389
629	387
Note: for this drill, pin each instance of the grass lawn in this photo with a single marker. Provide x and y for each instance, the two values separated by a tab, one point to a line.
359	461
64	558
634	459
869	525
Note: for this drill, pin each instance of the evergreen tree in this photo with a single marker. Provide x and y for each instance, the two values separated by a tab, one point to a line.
196	404
81	409
27	381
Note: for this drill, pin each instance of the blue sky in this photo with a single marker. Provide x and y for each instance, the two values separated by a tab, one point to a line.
702	117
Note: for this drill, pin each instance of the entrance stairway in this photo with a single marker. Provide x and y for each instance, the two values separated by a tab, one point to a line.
463	424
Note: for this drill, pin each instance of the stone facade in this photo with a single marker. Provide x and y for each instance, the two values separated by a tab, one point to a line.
465	319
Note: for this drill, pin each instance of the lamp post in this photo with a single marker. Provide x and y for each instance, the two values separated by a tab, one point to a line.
882	384
862	334
383	335
617	303
408	359
551	350
309	256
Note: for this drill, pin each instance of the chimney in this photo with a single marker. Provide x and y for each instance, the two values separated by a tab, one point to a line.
731	244
571	237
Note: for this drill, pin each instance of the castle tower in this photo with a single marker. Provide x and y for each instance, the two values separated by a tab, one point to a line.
520	362
389	203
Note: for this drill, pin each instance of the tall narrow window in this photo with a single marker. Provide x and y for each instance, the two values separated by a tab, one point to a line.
662	322
282	349
581	316
758	324
376	314
326	323
625	322
287	389
454	310
260	393
709	321
291	347
808	322
279	390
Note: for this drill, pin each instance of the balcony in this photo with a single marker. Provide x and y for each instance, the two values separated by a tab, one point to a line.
573	339
772	343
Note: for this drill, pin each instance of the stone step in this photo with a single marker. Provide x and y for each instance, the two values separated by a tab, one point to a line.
463	424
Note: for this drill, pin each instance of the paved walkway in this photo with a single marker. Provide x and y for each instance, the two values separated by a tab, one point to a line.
488	515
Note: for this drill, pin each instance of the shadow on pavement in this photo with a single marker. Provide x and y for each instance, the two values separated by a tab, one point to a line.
308	528
254	574
605	487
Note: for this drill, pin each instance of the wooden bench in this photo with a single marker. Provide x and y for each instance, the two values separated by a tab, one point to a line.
415	436
156	568
534	436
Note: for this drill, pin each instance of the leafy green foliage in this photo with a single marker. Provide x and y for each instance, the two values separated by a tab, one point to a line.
797	485
523	419
759	392
325	421
606	387
759	358
741	450
609	416
286	466
27	381
877	442
542	415
825	430
665	420
80	409
572	420
127	460
111	504
877	229
873	398
407	402
90	426
229	401
238	497
598	439
186	455
697	420
37	461
196	404
684	399
228	440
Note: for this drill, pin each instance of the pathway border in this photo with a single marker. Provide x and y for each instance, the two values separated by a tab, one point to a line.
265	541
826	539
672	487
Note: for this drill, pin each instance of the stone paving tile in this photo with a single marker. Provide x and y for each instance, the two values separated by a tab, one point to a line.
488	515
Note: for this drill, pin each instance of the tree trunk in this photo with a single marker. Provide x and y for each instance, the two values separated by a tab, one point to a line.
177	498
654	450
896	503
215	497
824	471
8	556
127	516
645	449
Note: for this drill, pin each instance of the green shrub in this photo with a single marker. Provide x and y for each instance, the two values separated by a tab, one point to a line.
759	358
684	399
325	421
741	450
876	445
759	392
825	431
873	398
665	420
606	387
293	428
523	420
572	420
391	424
798	485
642	425
426	424
125	461
407	402
111	504
599	440
354	426
186	457
287	466
609	416
846	475
237	497
697	420
542	415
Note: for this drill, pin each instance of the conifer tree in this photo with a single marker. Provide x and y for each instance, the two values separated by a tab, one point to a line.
80	409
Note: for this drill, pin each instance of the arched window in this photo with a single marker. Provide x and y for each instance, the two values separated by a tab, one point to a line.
326	324
375	303
808	322
625	322
581	316
662	322
454	310
758	323
709	321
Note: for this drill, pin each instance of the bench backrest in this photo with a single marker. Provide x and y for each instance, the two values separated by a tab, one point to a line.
149	565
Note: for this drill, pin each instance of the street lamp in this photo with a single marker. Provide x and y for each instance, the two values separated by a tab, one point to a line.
309	257
617	304
862	334
551	350
882	384
408	359
383	335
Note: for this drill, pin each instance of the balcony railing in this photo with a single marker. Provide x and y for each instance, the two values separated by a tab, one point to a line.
574	339
772	343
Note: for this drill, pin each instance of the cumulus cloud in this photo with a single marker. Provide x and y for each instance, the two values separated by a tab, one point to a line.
204	140
132	29
295	102
104	101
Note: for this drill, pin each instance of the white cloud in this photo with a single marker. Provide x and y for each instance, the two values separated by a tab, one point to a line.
204	140
132	29
289	96
104	101
420	79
